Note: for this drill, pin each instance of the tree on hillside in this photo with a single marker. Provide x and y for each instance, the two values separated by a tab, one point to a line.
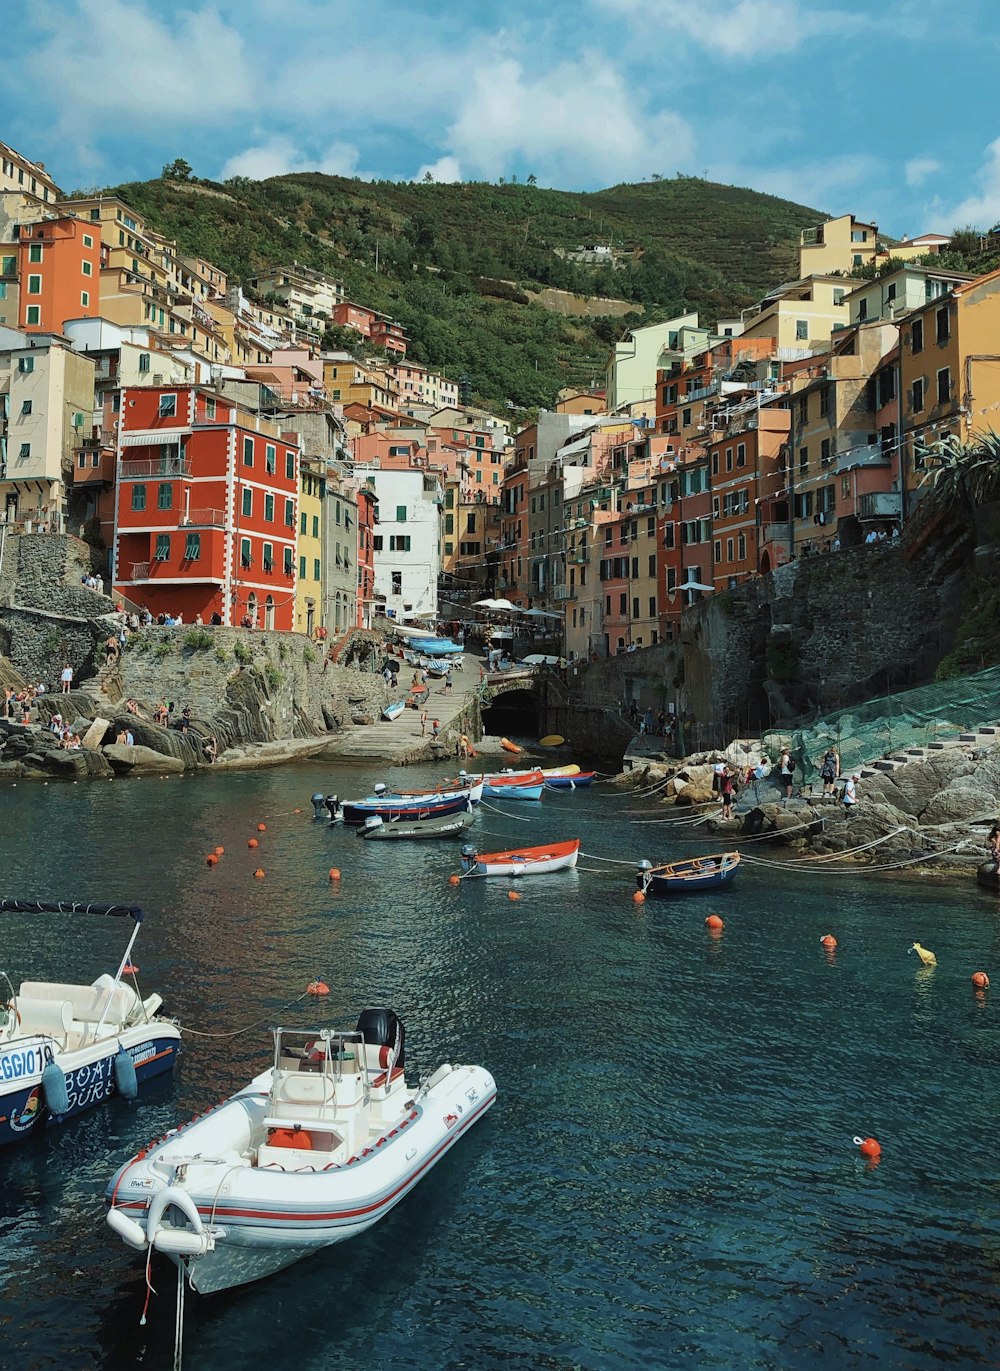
177	170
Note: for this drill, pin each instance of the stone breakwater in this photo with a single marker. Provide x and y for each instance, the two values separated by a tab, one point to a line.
943	803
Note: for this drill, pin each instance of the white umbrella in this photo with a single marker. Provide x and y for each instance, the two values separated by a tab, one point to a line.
695	585
540	614
485	604
503	604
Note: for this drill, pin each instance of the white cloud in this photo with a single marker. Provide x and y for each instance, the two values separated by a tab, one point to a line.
742	29
919	168
106	63
840	185
445	169
279	156
983	208
573	123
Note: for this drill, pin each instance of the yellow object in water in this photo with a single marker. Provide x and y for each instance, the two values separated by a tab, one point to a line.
926	956
551	740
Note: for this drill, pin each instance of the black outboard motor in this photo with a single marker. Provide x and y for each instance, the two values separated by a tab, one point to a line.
332	803
383	1028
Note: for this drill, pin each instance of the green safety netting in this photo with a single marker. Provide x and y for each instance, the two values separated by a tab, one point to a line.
891	723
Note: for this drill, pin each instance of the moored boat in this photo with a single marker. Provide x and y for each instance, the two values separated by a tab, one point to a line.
521	861
313	1151
431	826
399	806
464	782
569	782
691	874
514	785
65	1048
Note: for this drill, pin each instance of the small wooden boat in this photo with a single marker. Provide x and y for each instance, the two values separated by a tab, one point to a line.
551	740
400	807
514	785
694	873
570	782
394	710
508	746
461	785
521	861
431	826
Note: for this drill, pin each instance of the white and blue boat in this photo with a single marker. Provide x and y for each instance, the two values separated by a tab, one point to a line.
684	877
514	785
436	647
394	710
66	1048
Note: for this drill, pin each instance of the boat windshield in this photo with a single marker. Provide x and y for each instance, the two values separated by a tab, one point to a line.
319	1051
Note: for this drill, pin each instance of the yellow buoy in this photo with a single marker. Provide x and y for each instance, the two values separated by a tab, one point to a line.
925	954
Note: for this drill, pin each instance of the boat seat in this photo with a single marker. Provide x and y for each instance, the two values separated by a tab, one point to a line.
39	1015
302	1088
88	1001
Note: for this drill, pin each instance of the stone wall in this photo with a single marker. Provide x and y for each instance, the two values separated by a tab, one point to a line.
46	571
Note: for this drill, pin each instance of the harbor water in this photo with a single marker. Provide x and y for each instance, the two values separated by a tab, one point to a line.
668	1178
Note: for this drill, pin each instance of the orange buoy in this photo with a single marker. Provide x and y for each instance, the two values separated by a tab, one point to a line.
317	988
513	895
212	859
252	842
262	828
259	874
714	921
220	851
454	880
290	1137
980	980
868	1147
638	898
828	940
130	969
334	873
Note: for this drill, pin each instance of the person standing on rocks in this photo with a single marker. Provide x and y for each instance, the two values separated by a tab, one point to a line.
786	768
829	769
66	677
850	795
423	722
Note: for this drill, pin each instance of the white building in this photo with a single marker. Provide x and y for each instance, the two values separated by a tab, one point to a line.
407	545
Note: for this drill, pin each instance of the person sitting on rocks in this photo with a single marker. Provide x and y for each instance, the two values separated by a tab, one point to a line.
211	749
161	713
132	707
120	736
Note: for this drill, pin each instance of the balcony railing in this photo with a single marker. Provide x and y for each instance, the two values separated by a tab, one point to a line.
158	466
203	518
881	504
140	571
560	593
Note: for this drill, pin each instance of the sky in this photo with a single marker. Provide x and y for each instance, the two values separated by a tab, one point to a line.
886	110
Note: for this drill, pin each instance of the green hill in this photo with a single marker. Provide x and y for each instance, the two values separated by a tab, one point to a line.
454	260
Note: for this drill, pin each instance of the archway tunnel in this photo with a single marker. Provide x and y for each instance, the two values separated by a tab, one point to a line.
514	714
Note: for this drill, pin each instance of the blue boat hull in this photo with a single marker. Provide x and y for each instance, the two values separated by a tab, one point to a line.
513	792
684	885
357	811
22	1104
570	782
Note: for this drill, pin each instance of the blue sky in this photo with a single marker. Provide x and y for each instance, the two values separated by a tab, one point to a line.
885	109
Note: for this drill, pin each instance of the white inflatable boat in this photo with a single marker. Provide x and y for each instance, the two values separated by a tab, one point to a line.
313	1151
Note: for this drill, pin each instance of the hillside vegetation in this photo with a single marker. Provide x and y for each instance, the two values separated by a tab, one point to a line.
452	259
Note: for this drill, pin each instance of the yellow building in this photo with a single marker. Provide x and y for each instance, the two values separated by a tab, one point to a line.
840	244
349	382
309	587
949	373
801	315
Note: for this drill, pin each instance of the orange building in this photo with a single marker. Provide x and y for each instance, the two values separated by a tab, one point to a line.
747	458
59	267
206	514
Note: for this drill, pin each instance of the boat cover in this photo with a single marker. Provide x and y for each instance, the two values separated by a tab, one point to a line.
118	911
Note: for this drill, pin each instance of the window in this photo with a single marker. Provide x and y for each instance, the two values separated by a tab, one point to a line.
290	466
167	407
247	502
838	295
209	407
716	507
399	543
944	385
400	514
88	242
138	498
303	523
918	396
25	364
715	464
671	579
267	560
248	452
730	544
824	402
449	523
144	361
890	293
85	299
397	583
862	310
316	569
289	513
801	330
192	547
35	253
88	269
824	452
859	235
804	409
729	459
686	418
623	603
315	525
289	562
302	568
943	326
377	543
803	459
741	454
917	335
652	564
741	544
164	495
25	407
34	315
162	547
25	450
246	560
717	550
270	458
635	607
268	508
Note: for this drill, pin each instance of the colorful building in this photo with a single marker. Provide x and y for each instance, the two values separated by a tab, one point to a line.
207	513
367	523
838	245
59	272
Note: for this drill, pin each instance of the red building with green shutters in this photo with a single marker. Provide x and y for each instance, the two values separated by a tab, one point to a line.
206	509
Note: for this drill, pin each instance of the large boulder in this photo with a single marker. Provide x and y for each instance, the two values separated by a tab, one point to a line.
77	764
139	761
964	800
988	876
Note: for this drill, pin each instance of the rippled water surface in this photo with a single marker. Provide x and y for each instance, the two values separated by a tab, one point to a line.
667	1178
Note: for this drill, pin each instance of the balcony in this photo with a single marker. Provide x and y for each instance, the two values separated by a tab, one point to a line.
882	504
203	518
140	571
149	469
581	557
562	593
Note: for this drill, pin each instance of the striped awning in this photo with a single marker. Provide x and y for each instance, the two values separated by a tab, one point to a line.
150	440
